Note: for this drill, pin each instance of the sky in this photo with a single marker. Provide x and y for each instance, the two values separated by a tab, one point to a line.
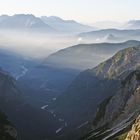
86	11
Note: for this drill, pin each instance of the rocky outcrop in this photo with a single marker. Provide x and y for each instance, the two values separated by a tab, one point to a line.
134	134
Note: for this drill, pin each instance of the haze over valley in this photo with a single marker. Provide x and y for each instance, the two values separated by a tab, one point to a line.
32	36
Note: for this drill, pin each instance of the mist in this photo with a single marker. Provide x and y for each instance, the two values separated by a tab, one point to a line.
34	44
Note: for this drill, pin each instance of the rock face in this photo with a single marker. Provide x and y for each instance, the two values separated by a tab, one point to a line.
117	113
134	134
126	99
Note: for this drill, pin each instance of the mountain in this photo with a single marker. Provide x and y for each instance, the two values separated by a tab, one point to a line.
66	26
7	130
56	72
85	56
116	114
102	35
22	22
133	24
29	22
77	105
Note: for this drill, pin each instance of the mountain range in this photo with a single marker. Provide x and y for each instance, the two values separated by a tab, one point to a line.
133	24
110	35
23	22
45	24
66	26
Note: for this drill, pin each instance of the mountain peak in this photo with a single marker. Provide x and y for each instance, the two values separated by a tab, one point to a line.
119	63
55	18
23	15
24	21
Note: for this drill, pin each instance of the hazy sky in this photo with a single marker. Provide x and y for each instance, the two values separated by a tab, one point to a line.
87	11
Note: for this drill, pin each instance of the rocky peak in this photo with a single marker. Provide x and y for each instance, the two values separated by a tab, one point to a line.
124	60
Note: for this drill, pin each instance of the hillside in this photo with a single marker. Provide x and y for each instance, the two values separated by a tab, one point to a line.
116	114
78	103
85	56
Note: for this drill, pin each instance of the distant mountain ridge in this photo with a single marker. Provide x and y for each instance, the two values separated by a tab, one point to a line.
22	21
66	25
133	24
110	35
43	24
89	55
